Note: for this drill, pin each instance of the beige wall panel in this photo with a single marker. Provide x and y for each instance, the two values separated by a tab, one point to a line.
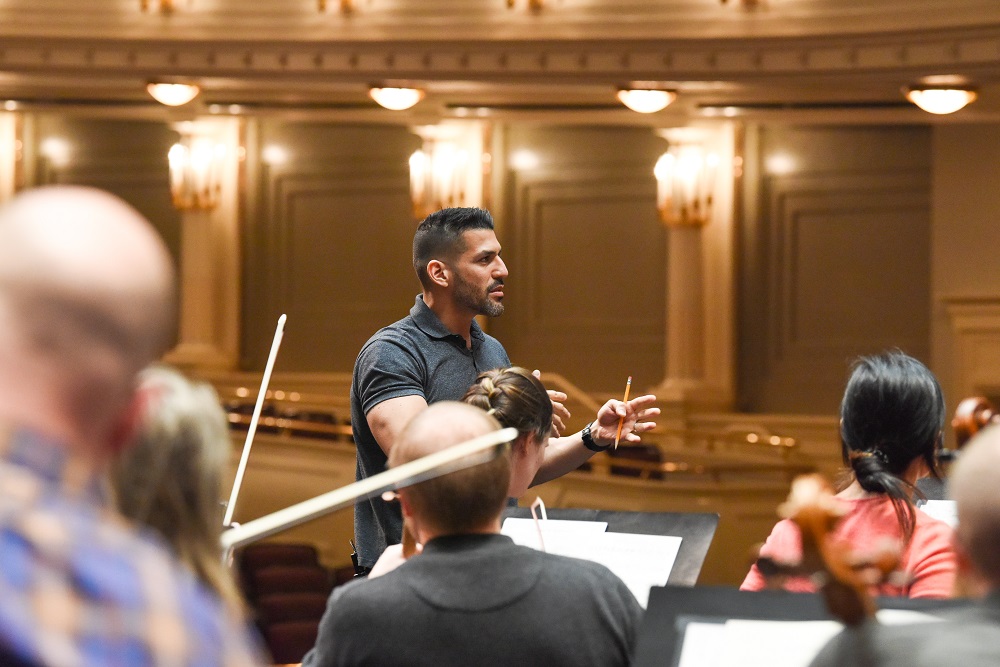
966	236
836	261
124	157
329	243
586	255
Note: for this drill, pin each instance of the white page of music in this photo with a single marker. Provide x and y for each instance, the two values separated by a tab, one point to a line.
524	532
641	561
744	643
942	510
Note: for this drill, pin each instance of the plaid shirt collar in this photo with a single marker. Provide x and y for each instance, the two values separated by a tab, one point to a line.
53	462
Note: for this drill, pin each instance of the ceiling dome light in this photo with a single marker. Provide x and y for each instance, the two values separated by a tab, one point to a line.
646	100
396	99
173	94
940	99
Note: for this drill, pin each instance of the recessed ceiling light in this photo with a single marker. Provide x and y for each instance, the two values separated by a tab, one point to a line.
646	100
940	99
396	99
173	94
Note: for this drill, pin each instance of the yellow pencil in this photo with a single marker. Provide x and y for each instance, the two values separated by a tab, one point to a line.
621	420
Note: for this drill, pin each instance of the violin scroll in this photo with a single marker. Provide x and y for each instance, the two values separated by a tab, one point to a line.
971	416
845	579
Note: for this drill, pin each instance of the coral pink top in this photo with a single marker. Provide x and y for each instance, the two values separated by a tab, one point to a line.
929	559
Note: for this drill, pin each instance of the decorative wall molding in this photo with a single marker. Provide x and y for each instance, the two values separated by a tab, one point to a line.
425	19
596	58
835	262
975	328
587	265
329	239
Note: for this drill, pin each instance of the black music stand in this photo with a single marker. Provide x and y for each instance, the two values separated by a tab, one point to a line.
671	608
695	530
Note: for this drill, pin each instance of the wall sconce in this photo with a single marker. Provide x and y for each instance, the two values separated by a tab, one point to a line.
346	6
646	100
685	184
162	6
448	170
196	164
172	94
396	99
533	5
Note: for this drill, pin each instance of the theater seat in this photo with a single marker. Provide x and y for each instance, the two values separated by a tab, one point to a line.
289	641
289	579
287	589
283	607
642	453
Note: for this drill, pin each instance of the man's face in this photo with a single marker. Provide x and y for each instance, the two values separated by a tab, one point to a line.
479	274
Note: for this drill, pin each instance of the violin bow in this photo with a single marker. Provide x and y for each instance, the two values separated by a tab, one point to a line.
279	332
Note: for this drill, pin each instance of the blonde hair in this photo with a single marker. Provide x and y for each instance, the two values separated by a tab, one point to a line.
170	480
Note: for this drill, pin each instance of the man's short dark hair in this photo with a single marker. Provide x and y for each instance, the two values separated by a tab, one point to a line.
439	236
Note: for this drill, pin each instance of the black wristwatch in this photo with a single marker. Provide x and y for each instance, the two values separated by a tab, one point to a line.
588	440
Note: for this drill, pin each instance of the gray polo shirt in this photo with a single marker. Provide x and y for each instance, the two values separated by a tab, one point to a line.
416	356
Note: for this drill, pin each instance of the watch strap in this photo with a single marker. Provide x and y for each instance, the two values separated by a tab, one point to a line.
588	440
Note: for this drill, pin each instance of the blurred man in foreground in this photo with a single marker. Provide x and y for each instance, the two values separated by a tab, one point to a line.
86	301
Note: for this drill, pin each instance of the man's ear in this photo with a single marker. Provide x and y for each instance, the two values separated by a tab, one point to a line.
404	503
126	427
439	273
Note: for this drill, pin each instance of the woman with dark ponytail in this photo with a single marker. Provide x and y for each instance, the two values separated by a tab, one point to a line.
891	426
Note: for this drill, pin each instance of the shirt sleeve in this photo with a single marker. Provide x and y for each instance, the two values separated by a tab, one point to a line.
934	564
784	543
388	369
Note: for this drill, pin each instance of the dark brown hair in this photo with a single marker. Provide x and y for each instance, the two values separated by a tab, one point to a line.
515	398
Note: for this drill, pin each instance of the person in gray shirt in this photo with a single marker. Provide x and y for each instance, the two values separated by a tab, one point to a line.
471	596
436	353
970	636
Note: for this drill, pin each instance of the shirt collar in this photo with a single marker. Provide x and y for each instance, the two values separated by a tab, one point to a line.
428	322
52	462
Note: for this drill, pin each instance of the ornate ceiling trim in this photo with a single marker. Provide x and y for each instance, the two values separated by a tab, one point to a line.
579	61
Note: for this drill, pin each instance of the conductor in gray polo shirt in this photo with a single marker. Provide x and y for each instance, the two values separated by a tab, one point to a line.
436	352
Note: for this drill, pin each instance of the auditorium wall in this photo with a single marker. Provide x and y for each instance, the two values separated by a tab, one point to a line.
851	239
965	269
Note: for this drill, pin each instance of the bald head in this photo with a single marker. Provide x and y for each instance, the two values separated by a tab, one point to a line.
461	502
87	298
973	484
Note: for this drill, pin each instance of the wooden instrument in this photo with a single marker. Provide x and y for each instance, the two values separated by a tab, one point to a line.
844	579
972	415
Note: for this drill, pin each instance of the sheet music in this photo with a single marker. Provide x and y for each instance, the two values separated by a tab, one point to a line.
702	645
774	644
943	510
745	643
641	561
524	532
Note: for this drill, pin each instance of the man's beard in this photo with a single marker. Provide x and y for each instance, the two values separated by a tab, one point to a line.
467	295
